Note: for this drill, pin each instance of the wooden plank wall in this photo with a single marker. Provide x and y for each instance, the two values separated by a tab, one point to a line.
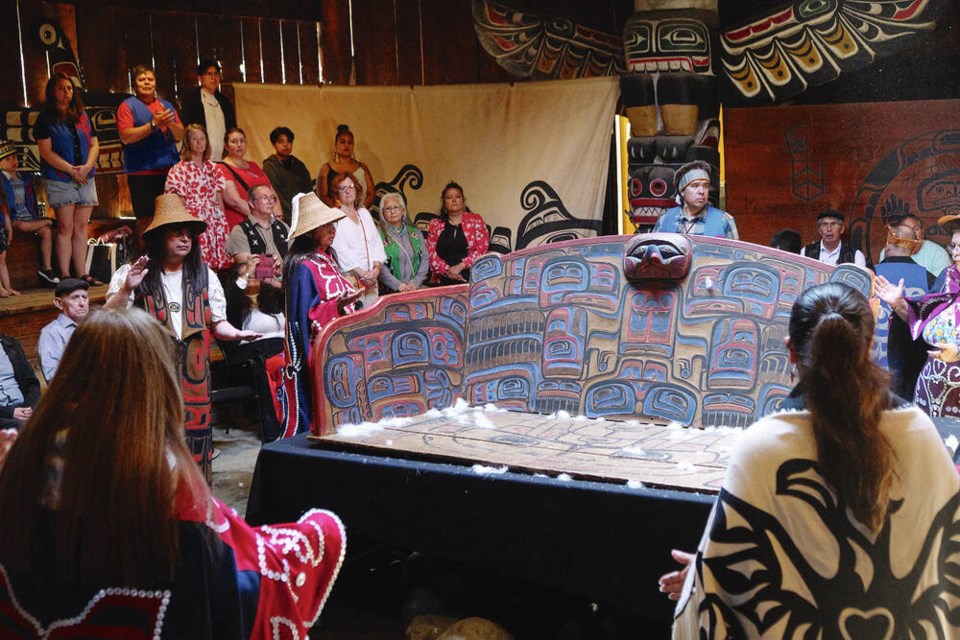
396	42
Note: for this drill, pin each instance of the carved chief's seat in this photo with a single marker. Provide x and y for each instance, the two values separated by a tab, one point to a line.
641	331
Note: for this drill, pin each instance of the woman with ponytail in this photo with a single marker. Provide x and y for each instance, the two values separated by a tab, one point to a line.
838	513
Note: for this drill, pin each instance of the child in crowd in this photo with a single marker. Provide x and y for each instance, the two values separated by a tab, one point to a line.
6	233
19	191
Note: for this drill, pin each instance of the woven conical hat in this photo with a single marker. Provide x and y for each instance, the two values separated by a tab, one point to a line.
949	221
169	209
312	214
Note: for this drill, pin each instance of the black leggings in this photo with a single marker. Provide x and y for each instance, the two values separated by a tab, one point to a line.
144	190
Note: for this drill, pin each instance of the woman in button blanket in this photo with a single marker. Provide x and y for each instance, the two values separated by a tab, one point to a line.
116	533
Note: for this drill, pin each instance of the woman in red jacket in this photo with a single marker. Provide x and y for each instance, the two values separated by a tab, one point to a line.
115	533
456	239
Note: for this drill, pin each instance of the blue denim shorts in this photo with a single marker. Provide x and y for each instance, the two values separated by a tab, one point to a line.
61	194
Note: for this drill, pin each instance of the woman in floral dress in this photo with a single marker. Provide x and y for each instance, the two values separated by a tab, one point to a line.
198	181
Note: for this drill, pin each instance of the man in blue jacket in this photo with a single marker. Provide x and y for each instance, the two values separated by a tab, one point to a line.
695	215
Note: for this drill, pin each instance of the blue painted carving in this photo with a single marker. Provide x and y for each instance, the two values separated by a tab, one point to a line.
560	327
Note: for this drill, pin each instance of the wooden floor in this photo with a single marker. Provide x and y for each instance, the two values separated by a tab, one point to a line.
655	455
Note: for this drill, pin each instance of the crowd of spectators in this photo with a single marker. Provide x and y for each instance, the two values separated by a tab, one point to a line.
250	218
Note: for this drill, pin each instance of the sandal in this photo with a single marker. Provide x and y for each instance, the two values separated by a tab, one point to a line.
90	280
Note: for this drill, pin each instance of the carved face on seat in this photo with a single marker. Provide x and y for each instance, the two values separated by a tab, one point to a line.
657	256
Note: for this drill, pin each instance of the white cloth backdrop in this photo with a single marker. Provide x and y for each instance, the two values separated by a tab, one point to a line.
550	139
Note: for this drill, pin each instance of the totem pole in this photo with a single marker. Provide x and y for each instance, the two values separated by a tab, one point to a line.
671	99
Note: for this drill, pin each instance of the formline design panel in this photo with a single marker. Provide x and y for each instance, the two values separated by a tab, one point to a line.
656	327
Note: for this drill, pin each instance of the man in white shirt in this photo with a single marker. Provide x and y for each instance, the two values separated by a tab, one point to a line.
831	249
172	284
207	106
71	298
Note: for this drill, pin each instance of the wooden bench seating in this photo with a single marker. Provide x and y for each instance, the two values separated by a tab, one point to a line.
22	317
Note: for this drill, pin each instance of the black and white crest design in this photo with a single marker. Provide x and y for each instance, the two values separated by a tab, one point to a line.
759	581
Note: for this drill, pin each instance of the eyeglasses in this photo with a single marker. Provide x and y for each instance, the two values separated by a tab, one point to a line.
267	198
830	223
211	73
347	187
393	207
953	247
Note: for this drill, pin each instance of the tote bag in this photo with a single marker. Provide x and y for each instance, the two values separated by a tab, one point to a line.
101	259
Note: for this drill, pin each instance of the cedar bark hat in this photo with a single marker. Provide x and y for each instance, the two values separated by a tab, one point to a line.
949	221
168	210
309	212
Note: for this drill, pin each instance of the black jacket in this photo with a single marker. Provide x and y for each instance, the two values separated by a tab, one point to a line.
23	372
848	253
191	110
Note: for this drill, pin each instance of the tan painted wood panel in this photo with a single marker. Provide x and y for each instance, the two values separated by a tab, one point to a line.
604	450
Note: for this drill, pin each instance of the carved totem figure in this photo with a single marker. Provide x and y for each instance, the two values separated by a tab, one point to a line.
671	99
679	62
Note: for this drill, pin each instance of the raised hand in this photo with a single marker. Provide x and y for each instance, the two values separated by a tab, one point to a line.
346	299
945	351
889	293
138	270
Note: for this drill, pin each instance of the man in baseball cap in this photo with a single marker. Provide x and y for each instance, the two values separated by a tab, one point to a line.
71	298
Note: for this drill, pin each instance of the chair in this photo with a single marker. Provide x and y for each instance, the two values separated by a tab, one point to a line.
244	376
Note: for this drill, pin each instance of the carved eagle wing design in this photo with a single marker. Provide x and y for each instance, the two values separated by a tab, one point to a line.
811	42
545	48
772	57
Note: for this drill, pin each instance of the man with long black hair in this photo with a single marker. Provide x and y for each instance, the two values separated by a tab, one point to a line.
173	285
